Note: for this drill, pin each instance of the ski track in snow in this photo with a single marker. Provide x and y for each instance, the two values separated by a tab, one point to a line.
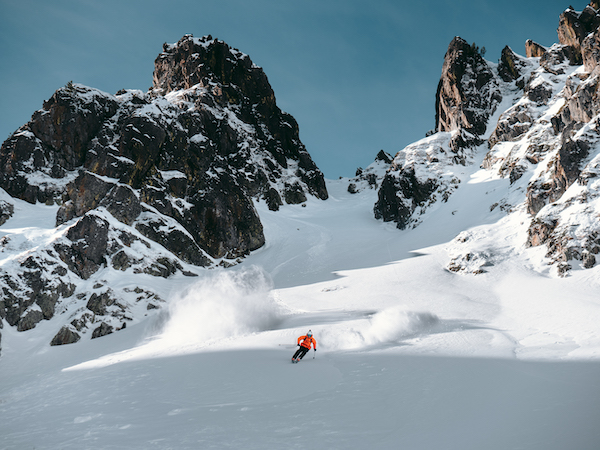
409	354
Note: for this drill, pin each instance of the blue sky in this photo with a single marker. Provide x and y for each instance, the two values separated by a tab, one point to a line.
358	75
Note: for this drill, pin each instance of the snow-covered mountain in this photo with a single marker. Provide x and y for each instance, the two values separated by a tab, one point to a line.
543	139
452	288
152	183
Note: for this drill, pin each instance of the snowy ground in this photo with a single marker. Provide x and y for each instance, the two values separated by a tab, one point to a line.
410	355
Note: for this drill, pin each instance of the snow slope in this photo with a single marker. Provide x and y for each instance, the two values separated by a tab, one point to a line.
410	355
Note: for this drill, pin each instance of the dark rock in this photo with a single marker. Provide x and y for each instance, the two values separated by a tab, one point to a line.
460	142
509	67
6	211
122	203
30	320
468	92
122	261
540	93
176	240
83	321
588	260
399	195
20	155
238	81
84	194
226	221
162	267
558	55
273	199
294	194
70	120
88	248
590	50
372	176
99	303
383	157
102	330
65	336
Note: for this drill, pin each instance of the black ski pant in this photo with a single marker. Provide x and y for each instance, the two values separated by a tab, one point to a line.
300	352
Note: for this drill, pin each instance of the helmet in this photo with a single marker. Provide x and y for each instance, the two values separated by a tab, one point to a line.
309	334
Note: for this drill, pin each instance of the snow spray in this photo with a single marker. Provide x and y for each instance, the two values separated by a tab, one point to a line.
224	304
382	328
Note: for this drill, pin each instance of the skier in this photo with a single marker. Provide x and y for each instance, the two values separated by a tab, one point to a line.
307	340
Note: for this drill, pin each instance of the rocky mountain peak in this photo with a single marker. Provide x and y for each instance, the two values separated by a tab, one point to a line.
574	26
155	183
545	144
206	61
467	92
467	95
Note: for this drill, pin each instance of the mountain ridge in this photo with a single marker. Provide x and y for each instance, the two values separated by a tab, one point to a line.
545	142
165	183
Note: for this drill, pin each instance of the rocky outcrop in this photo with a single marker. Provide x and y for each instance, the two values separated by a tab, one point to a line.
590	50
467	95
574	27
102	330
510	67
560	156
372	176
155	182
6	211
468	92
66	335
417	178
399	196
533	49
232	79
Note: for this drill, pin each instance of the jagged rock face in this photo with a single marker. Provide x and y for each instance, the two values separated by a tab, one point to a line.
399	197
417	177
546	144
574	27
510	66
232	78
559	155
467	93
151	182
533	49
590	50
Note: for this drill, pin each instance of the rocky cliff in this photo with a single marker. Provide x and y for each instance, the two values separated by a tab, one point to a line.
468	93
154	183
546	143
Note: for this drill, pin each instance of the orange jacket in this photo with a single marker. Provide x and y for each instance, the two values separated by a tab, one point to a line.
307	341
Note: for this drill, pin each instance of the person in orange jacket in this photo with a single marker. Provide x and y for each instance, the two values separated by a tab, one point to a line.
304	342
